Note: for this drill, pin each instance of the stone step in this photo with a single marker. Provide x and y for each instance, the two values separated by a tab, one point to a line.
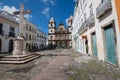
19	60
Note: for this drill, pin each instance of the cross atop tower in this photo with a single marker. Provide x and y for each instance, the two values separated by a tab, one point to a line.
22	12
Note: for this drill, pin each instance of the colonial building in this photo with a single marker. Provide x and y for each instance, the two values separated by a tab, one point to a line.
9	27
117	5
59	37
8	31
96	29
41	40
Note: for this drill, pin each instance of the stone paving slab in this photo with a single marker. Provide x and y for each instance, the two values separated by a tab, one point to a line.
56	69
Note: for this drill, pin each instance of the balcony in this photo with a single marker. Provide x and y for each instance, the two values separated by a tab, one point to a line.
83	27
90	20
1	32
103	8
11	34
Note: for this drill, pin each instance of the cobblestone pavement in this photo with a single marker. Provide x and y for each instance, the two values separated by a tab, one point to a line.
56	69
60	64
24	71
36	67
84	67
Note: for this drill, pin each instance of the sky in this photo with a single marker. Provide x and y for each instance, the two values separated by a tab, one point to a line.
42	11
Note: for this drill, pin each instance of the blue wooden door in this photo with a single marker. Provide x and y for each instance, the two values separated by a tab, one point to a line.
94	45
110	45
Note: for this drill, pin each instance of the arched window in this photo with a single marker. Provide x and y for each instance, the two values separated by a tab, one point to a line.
61	29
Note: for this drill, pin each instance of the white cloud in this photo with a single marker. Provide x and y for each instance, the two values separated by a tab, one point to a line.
13	9
9	9
74	0
39	27
1	3
52	2
27	16
46	12
47	2
67	21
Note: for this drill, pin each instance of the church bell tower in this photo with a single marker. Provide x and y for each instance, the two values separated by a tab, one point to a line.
51	32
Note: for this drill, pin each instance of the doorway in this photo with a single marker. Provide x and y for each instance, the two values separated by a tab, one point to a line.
0	45
110	44
94	45
11	46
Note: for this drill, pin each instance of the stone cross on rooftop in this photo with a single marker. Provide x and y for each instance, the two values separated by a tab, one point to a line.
22	12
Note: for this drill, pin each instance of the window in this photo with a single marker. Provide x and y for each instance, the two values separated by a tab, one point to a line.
83	1
81	21
26	36
30	28
12	32
12	29
84	16
29	37
51	25
91	10
102	1
1	25
32	37
34	30
51	37
81	4
26	26
61	29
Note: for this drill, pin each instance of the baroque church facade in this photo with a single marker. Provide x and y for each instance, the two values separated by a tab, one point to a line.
60	37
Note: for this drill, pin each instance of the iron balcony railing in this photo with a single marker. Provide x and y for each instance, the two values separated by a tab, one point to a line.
83	27
90	20
103	8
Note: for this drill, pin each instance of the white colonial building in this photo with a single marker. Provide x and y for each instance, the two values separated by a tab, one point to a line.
96	30
41	39
8	31
9	28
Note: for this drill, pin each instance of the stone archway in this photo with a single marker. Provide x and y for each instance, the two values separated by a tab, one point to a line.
0	45
11	45
62	44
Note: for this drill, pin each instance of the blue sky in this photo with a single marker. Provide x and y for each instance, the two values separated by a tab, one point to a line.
42	10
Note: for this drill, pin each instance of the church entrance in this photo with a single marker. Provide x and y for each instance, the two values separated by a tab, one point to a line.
63	44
